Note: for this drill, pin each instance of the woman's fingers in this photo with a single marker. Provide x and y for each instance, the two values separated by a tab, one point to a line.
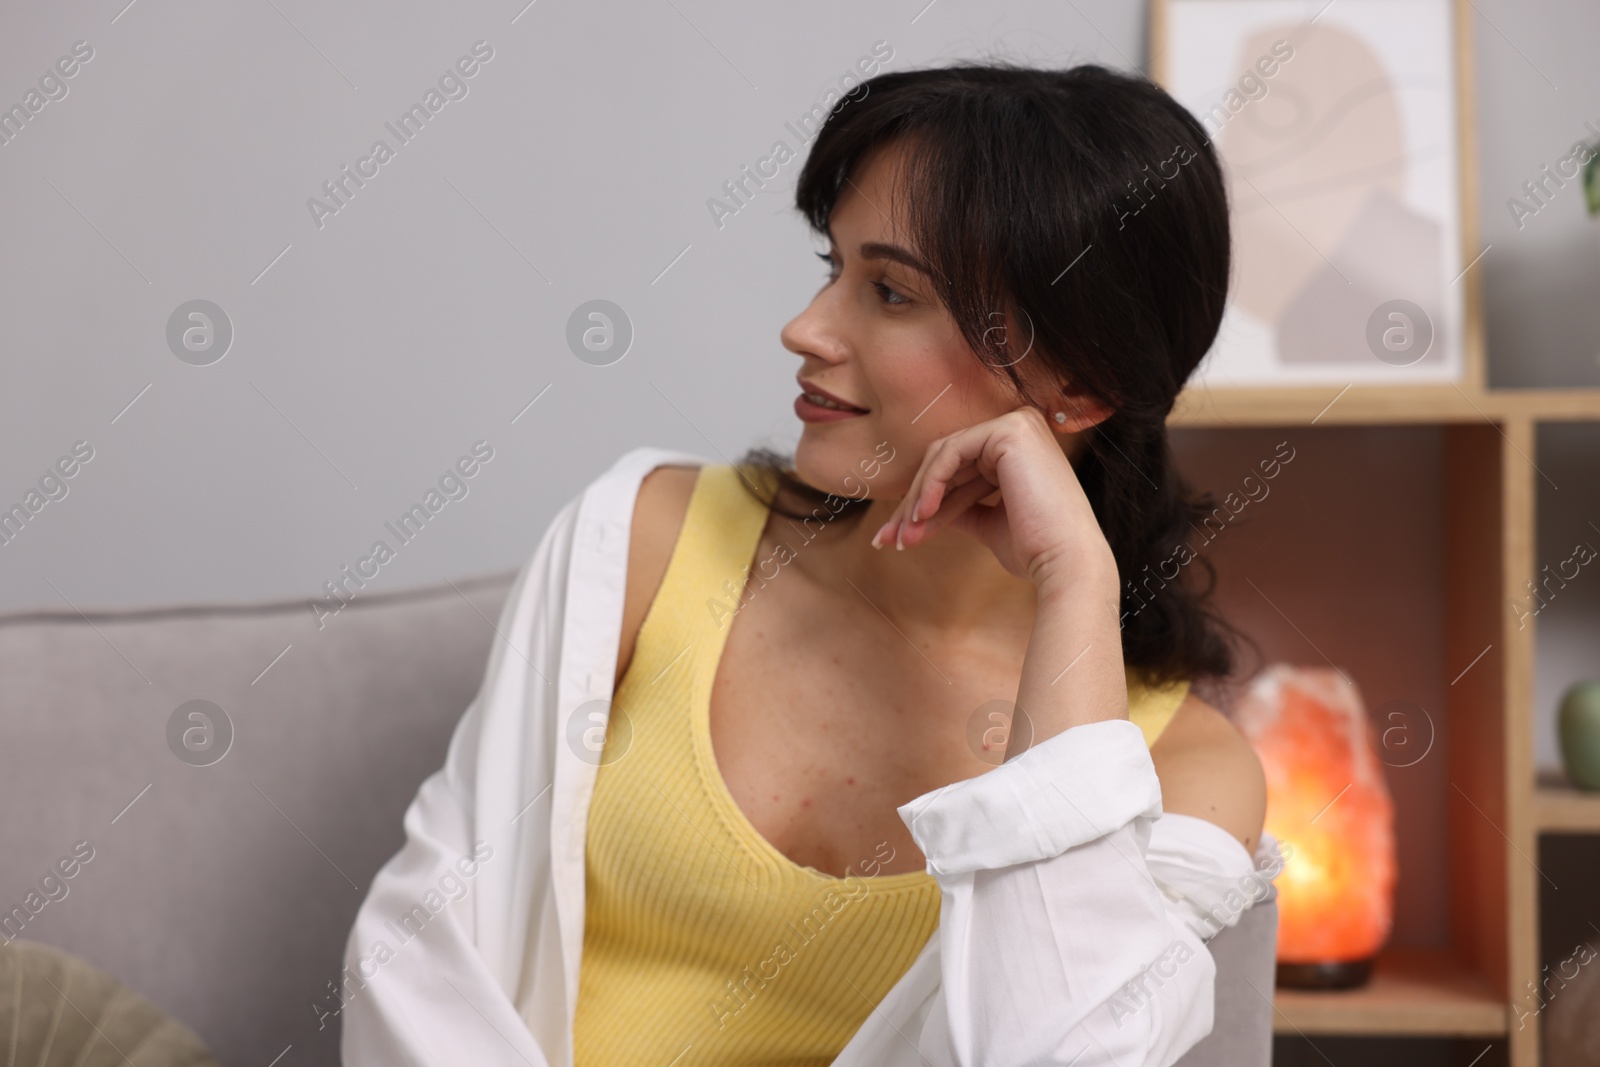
973	456
952	464
1007	483
947	464
957	501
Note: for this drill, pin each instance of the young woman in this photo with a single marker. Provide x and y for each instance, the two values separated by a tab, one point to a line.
889	755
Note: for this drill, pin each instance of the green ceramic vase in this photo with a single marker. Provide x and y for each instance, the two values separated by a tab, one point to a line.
1579	723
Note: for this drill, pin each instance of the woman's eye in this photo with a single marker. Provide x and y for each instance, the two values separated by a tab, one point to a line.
884	292
889	296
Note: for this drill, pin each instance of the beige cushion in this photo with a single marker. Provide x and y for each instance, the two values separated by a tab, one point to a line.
57	1011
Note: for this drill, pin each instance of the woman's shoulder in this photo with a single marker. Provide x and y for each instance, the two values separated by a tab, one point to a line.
658	513
1208	769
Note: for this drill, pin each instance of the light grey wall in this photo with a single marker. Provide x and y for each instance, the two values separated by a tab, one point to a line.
1538	90
428	312
372	351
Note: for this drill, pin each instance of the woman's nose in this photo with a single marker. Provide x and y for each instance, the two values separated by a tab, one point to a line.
814	332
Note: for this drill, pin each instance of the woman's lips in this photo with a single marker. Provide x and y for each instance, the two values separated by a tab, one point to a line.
815	404
809	411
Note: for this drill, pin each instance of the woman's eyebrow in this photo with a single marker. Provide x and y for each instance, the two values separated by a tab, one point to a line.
880	250
883	250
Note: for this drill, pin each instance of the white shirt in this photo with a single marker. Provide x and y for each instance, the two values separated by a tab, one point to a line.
1073	914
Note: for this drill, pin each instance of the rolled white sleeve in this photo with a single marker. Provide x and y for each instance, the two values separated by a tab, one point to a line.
1057	945
1207	875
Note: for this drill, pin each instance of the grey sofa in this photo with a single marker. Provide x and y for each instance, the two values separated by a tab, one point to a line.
222	889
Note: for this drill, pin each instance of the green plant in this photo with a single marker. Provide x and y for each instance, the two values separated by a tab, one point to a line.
1591	180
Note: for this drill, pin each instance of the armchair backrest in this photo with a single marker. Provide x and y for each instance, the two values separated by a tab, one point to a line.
1246	957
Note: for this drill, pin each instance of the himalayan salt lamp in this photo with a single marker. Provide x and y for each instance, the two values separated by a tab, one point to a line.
1327	799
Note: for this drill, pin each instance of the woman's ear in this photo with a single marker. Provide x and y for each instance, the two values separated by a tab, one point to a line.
1075	410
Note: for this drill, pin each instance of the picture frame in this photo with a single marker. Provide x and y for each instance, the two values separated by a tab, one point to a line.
1345	133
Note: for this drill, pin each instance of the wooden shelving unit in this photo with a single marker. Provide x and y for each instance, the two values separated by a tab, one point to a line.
1561	808
1379	405
1493	809
1497	805
1412	993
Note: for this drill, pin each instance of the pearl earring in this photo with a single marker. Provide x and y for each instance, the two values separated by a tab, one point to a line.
1061	416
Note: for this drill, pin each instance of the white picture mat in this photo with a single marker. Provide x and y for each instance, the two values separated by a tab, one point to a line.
1412	40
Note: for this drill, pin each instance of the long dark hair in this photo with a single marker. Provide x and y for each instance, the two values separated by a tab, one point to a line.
1091	202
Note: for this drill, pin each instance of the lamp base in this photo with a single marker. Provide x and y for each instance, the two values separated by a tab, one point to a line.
1346	974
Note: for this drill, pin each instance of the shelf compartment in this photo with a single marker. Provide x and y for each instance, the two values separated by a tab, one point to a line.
1413	993
1384	550
1565	614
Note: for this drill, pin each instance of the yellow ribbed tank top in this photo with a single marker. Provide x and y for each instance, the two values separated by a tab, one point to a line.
702	943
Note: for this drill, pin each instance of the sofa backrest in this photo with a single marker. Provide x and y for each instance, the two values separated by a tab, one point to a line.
224	892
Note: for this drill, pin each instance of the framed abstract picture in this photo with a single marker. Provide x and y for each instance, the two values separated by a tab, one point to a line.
1340	129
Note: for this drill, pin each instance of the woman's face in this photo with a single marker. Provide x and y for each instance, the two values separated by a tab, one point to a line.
876	340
